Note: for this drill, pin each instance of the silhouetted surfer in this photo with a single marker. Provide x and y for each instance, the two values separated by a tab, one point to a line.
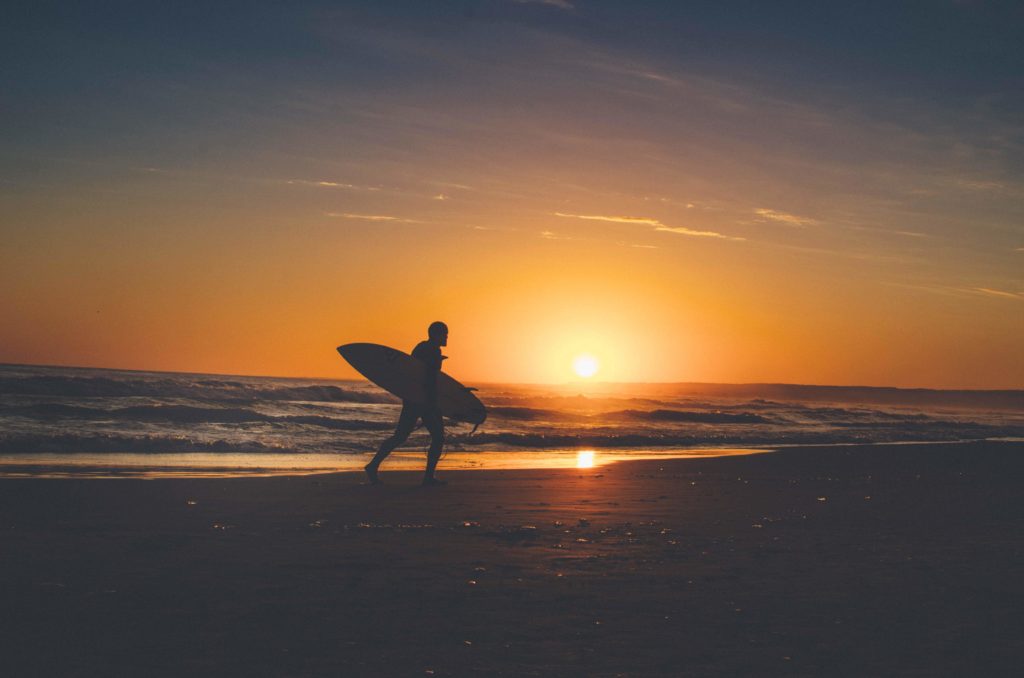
429	353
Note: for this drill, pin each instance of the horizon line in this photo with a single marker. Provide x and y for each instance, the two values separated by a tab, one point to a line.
552	383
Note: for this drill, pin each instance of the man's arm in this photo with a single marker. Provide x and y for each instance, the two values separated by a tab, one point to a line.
430	384
431	360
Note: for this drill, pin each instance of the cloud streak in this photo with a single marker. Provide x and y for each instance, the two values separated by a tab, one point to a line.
551	235
784	217
998	293
616	220
682	230
560	4
656	224
330	184
371	217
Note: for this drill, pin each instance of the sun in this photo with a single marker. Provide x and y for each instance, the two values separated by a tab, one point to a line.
585	459
585	365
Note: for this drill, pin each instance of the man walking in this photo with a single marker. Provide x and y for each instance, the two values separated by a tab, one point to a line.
429	353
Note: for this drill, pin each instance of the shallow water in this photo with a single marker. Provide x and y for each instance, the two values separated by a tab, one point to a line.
77	421
206	465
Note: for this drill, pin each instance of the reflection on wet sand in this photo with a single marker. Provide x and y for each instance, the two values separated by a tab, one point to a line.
585	459
222	465
728	566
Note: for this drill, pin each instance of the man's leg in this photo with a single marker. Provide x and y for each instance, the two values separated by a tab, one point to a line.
406	424
434	424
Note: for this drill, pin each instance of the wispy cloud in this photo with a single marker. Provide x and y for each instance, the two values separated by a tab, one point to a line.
784	217
494	228
560	4
617	220
963	292
682	230
551	235
647	221
981	185
452	184
999	293
371	217
330	184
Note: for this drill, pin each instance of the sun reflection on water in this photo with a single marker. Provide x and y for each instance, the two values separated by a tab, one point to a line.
233	465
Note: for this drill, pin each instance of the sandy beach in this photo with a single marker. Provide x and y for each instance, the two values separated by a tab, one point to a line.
711	314
883	560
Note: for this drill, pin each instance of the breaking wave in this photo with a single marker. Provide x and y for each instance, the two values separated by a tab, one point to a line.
691	417
71	410
184	414
658	415
72	444
765	438
211	390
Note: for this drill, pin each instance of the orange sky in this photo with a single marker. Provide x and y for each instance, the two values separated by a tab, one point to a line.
680	225
520	305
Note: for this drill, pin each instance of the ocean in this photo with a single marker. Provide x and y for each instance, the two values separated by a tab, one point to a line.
57	421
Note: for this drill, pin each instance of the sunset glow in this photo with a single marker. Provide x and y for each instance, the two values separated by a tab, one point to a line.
585	459
585	365
352	175
511	337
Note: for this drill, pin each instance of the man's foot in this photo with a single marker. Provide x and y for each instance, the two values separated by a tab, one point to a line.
433	482
371	474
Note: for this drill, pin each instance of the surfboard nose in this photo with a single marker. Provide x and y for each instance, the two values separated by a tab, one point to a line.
347	351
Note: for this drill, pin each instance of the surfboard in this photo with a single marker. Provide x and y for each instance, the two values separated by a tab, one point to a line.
400	374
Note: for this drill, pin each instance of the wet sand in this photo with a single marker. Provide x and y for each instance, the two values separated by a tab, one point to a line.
885	560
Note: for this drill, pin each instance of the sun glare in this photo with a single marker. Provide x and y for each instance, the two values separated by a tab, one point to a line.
585	365
585	459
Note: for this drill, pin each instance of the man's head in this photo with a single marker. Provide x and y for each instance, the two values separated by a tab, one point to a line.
438	333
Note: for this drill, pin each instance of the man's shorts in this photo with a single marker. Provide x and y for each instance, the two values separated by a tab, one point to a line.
413	412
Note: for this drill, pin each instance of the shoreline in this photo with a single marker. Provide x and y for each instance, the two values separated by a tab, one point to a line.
869	560
146	466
